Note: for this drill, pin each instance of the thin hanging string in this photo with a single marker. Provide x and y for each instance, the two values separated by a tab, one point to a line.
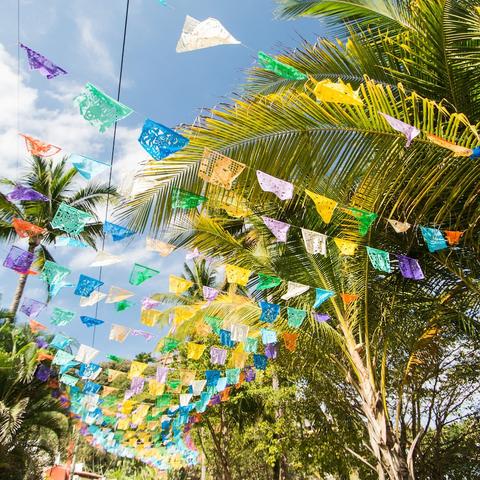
18	81
119	89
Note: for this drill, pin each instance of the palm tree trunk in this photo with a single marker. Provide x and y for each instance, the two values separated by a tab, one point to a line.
22	281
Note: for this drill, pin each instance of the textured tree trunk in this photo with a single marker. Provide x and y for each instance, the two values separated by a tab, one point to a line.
22	281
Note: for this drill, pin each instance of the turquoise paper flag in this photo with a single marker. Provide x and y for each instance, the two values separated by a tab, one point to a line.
295	317
268	336
87	167
70	219
433	238
60	341
251	345
61	317
117	231
141	273
380	259
322	296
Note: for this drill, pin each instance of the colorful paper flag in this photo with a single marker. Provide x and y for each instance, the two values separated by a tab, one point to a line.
282	189
380	259
453	237
21	193
410	268
164	249
70	219
141	273
87	167
295	317
433	238
185	199
219	169
237	275
345	247
365	219
31	308
267	281
321	296
117	294
104	259
278	228
325	206
279	68
19	260
294	289
399	227
61	317
117	231
458	151
26	229
270	311
39	148
118	333
45	67
90	321
341	93
315	243
94	298
86	285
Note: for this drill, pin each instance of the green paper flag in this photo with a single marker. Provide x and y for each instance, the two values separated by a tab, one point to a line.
267	281
163	401
380	259
141	274
123	305
61	317
214	323
281	69
184	199
114	358
364	218
169	344
295	317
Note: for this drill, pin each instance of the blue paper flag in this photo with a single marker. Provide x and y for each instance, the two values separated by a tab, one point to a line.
259	361
226	338
60	341
117	231
90	321
91	387
86	285
160	141
212	377
69	242
87	167
322	296
433	238
270	311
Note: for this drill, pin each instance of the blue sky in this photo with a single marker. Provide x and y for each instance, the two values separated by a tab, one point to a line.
84	37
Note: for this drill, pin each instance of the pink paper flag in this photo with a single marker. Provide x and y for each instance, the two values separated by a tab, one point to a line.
282	189
279	229
408	130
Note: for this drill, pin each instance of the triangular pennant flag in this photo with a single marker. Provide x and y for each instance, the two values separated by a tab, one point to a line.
117	231
124	305
321	296
26	194
295	317
94	298
364	218
380	259
279	229
267	281
315	243
35	326
198	34
282	189
141	273
325	206
90	321
185	199
39	148
342	93
87	167
399	227
164	249
136	369
86	285
99	109
321	317
453	237
345	246
237	275
178	285
61	317
433	238
348	298
104	259
85	354
457	150
70	219
410	268
160	141
409	131
44	66
278	68
118	333
26	229
150	317
117	294
219	170
294	289
195	350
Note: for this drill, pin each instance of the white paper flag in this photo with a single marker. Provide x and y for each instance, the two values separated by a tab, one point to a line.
315	243
103	259
85	354
209	33
117	294
239	332
399	227
294	289
164	249
198	386
94	298
185	399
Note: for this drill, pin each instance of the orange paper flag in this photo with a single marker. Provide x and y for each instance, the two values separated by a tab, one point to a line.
348	298
35	326
453	237
290	340
26	229
39	148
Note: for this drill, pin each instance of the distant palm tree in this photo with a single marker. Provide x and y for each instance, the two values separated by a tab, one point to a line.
57	182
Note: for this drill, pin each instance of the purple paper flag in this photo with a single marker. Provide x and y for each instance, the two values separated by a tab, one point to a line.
192	255
26	194
31	308
271	350
279	229
162	373
137	384
215	400
140	333
41	342
321	317
282	189
250	374
19	260
209	293
149	303
408	130
218	356
42	373
410	268
38	62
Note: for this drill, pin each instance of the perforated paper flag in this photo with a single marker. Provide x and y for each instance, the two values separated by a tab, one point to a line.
295	317
290	340
237	275
325	206
104	259
169	344
26	229
259	361
195	350
46	67
62	357
91	321
271	350
433	238
409	131
164	249
141	273
214	323
226	338
346	247
53	273
61	316
70	219
186	200
178	285
218	356
251	345
219	169
69	242
36	327
160	141
270	311
87	167
60	341
294	289
267	281
399	227
149	303
118	333
19	260
268	336
31	307
38	147
117	231
458	151
348	298
124	305
98	109
94	298
117	294
209	293
279	68
136	369
150	317
140	333
321	296
55	288
21	193
89	371
365	218
453	237
198	34
315	243
342	93
239	332
86	285
282	189
321	317
410	268
278	228
68	379
380	259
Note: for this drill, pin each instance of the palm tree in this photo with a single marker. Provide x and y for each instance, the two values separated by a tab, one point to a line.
58	183
350	154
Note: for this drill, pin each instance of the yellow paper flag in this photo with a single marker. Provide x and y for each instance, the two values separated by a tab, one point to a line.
345	246
237	275
178	285
155	388
343	93
183	313
136	369
114	374
325	206
150	317
195	350
239	356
